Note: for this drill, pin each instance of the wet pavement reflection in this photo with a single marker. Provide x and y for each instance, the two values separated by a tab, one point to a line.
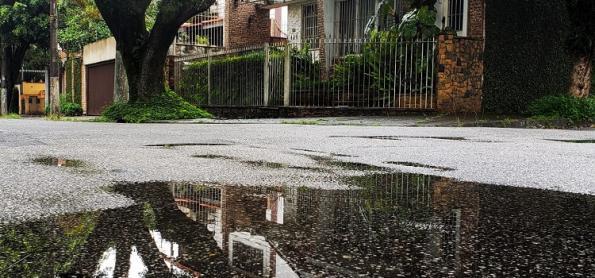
385	225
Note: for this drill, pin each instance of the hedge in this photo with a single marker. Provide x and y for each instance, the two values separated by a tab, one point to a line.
524	57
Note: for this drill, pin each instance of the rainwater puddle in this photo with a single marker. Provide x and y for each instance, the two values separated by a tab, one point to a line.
586	141
187	144
396	138
386	225
59	162
419	165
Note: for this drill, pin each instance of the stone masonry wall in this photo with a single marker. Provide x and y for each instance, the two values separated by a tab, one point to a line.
246	24
460	74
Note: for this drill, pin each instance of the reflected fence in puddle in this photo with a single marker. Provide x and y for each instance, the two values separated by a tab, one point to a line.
385	224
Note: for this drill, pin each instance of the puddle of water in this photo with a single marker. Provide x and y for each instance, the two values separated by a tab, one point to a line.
586	141
346	165
213	156
187	144
59	162
419	165
386	225
397	138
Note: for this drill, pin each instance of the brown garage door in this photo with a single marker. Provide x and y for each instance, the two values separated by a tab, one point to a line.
100	87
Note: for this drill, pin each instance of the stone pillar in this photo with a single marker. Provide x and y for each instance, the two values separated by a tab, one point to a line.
460	74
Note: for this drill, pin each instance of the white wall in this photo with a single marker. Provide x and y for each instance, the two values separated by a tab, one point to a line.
99	51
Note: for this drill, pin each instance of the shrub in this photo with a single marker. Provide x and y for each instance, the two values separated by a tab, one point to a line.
69	108
168	106
578	110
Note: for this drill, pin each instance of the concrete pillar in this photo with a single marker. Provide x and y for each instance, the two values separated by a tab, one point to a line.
267	56
287	76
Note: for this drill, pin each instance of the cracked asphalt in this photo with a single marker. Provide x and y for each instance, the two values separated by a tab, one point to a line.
120	153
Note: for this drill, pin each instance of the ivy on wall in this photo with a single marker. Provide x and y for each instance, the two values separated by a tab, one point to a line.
524	57
72	70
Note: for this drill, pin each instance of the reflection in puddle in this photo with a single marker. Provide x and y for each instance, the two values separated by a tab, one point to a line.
187	144
586	141
396	138
59	162
419	165
386	225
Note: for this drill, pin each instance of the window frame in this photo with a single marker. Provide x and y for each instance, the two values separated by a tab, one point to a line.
309	33
464	15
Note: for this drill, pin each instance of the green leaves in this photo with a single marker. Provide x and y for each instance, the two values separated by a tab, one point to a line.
419	23
25	21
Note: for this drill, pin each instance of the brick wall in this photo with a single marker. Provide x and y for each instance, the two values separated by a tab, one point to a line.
476	18
246	24
460	74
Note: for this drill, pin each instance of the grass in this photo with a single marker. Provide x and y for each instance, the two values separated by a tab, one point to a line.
552	108
11	116
302	122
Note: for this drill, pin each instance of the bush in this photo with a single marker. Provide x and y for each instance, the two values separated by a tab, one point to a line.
168	106
69	108
578	110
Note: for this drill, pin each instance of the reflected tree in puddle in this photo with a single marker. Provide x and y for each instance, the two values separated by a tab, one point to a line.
384	225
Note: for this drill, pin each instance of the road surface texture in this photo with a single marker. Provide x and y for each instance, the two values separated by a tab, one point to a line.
267	153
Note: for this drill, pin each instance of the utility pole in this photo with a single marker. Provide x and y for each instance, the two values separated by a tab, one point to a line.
55	60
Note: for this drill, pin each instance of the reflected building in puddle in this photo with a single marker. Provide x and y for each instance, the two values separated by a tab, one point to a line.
389	224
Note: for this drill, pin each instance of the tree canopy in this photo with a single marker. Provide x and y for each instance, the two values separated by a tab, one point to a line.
80	24
22	23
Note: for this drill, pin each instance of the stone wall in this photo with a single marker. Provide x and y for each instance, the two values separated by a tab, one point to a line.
460	74
246	24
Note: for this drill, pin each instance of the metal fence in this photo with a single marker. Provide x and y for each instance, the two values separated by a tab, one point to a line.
379	72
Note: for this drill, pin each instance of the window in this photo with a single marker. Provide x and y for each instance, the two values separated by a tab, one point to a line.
310	24
456	18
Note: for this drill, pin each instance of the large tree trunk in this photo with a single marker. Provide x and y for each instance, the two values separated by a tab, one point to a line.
144	53
12	61
580	80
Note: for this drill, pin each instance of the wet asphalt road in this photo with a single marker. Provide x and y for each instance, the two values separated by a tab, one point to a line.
120	152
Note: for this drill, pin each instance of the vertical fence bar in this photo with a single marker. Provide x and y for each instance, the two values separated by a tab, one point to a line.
209	96
287	75
266	84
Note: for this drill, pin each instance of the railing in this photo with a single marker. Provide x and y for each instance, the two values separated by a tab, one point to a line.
201	30
365	73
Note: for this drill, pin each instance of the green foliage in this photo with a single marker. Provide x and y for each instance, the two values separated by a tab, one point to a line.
419	23
202	40
525	56
24	21
168	106
72	72
230	76
38	242
69	108
11	116
578	110
80	24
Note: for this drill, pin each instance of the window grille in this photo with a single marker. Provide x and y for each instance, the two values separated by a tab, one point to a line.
456	15
310	24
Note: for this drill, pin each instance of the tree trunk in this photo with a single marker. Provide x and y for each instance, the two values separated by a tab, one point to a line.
580	80
12	61
144	52
145	72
